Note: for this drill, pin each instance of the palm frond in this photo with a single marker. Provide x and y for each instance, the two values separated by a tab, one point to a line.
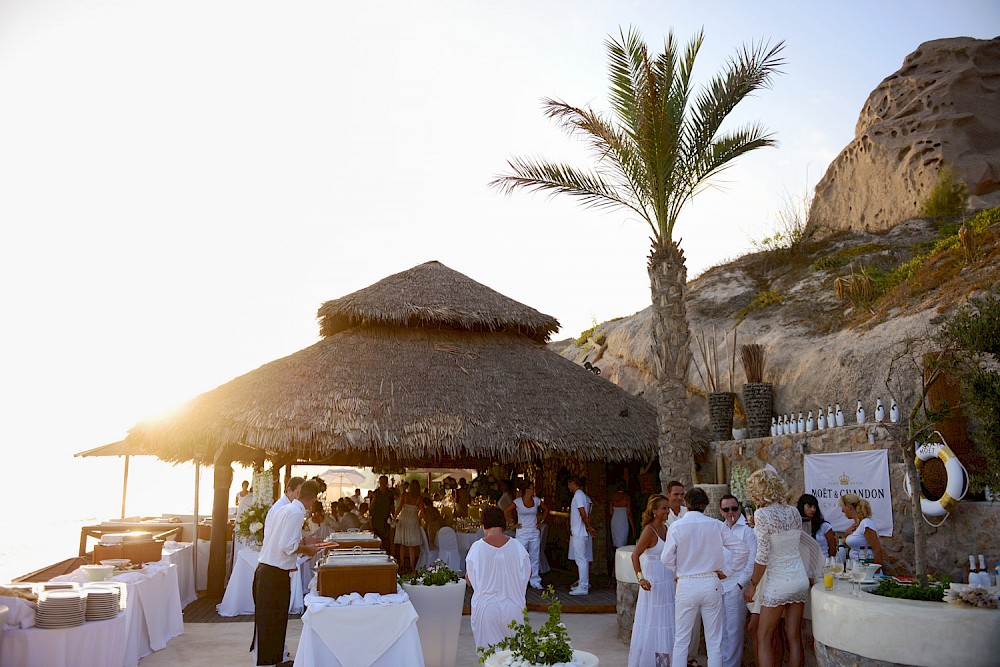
555	178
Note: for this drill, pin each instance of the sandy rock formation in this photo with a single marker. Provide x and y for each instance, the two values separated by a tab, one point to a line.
941	107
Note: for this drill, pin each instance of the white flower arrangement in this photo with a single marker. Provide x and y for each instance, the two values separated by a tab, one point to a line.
250	525
437	574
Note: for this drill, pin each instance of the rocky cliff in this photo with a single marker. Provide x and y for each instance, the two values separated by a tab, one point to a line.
940	108
821	349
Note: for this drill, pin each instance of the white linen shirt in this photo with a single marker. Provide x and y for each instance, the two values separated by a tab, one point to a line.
278	504
282	539
673	518
577	527
696	543
749	538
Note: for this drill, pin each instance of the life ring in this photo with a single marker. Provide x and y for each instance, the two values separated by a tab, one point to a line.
957	479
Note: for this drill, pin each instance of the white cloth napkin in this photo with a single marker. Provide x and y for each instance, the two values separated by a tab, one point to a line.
21	613
345	624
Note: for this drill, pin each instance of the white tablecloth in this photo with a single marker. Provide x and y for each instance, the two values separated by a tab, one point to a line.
93	643
342	636
204	547
152	608
181	554
238	600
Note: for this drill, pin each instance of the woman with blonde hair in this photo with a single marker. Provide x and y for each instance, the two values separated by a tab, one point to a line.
786	588
653	628
863	532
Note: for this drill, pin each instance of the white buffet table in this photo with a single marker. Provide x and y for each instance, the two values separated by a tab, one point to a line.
338	633
181	554
152	609
238	599
93	643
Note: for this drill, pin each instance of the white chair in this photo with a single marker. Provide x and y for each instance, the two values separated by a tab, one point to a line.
543	562
427	555
448	550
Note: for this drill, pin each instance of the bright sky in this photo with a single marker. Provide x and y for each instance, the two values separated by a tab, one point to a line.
184	182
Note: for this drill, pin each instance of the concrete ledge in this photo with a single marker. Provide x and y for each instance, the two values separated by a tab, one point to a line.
903	632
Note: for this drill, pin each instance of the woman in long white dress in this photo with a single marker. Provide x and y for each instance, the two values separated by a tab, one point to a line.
786	588
497	568
621	518
653	628
524	514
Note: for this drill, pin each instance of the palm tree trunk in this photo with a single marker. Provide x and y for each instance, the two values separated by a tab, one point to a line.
671	359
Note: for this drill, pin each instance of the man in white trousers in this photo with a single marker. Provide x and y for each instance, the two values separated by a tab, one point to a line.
734	608
581	548
695	551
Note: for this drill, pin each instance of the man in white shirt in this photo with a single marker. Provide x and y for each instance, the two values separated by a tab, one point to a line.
581	547
695	551
734	609
356	498
272	586
675	502
290	494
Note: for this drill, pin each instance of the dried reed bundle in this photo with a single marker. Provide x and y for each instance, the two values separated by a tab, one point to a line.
709	353
753	357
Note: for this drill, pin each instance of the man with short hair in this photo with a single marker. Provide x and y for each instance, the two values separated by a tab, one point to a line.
581	548
695	551
734	609
675	502
272	586
356	498
380	509
291	493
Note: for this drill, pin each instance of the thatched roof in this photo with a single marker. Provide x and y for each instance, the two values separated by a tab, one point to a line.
446	385
434	296
385	395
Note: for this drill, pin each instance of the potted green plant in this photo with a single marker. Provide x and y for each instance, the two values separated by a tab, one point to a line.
438	594
549	646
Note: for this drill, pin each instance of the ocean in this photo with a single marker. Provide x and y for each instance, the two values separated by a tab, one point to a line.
41	522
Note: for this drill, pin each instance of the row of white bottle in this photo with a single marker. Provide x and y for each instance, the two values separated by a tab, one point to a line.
980	576
788	424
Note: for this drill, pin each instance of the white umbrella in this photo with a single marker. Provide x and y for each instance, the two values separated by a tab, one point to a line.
341	477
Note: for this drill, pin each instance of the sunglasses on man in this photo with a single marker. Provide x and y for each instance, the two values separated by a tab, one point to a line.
730	509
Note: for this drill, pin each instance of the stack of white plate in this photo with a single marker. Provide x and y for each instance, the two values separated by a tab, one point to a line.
103	602
60	609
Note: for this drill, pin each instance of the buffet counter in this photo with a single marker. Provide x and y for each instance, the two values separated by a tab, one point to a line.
903	632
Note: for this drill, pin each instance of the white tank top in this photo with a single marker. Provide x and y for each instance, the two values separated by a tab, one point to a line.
527	516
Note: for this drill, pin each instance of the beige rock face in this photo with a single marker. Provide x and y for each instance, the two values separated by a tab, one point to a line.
941	107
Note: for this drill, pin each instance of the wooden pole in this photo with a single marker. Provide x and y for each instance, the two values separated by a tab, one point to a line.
125	486
197	489
220	523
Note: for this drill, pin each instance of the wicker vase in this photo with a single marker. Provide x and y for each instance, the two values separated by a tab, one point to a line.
720	414
757	398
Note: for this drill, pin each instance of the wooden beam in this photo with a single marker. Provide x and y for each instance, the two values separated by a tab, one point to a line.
220	523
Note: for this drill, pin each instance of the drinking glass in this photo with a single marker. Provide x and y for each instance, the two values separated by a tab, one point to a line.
857	575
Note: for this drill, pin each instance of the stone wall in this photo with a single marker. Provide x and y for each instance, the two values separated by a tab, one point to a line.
974	527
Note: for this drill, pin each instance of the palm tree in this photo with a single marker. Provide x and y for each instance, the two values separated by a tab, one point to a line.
659	148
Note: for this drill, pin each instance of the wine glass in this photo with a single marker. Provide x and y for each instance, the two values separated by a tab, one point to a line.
857	576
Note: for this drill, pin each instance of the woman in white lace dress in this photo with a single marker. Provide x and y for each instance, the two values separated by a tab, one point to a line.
786	588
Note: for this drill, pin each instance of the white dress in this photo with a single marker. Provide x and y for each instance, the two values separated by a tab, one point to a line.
619	526
653	629
778	529
498	577
529	536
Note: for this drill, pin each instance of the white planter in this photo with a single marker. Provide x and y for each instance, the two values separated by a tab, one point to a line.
440	618
585	659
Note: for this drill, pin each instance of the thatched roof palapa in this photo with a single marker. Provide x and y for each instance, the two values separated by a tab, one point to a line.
431	295
425	367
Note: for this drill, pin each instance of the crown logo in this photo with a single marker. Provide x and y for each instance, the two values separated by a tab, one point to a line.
844	479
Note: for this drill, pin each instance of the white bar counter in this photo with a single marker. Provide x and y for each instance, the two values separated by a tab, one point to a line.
905	632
